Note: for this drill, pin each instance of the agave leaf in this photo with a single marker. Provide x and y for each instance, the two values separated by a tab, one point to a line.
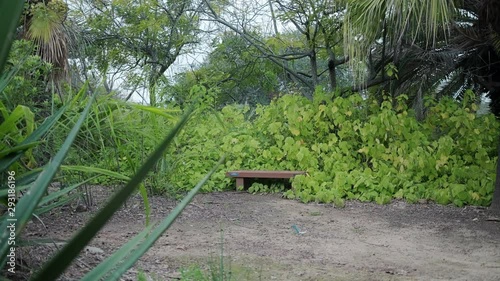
34	136
142	188
22	147
4	191
28	203
63	258
117	257
66	190
95	170
159	230
10	11
53	205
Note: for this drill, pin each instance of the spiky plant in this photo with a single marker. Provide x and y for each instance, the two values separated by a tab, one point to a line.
43	23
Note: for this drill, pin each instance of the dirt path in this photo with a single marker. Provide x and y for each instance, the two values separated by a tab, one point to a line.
362	241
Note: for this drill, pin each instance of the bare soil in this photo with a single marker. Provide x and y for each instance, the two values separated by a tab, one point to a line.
266	237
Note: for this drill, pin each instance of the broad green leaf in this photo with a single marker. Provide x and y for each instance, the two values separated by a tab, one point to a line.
34	136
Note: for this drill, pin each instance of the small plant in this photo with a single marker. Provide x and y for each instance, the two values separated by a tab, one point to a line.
258	187
217	269
193	273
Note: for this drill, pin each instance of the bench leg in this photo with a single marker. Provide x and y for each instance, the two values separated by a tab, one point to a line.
240	183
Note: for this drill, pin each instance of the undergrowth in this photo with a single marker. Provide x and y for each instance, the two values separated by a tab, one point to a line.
351	148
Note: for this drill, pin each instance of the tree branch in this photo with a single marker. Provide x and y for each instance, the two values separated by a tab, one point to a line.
258	45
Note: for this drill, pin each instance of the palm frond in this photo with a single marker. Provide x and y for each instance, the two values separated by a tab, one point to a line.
45	27
411	20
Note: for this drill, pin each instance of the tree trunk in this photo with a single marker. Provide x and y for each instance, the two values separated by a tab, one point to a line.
314	67
331	71
495	203
331	65
273	17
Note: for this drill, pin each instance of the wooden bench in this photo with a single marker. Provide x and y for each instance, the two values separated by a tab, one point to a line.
241	175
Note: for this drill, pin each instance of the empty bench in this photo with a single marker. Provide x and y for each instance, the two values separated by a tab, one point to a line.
242	175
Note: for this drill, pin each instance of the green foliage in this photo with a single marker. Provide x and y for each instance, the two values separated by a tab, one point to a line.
46	19
26	80
351	149
35	200
145	38
257	187
233	72
196	273
19	136
117	136
218	271
193	273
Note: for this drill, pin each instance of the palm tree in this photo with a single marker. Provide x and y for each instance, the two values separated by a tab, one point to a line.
433	46
43	23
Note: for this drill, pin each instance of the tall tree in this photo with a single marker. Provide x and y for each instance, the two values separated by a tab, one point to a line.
320	23
143	38
444	48
318	26
235	72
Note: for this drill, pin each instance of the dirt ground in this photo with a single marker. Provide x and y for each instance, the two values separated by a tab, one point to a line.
265	237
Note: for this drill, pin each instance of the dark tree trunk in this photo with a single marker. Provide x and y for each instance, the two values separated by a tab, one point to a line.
495	204
490	22
314	67
331	73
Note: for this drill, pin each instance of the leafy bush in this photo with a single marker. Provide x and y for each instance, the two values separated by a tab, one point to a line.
351	149
25	80
117	136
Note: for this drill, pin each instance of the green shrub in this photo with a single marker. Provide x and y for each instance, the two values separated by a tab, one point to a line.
351	149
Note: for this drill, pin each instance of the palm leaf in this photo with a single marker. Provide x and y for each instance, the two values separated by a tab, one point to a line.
412	20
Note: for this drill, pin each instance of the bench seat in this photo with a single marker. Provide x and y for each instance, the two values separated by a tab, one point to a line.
242	174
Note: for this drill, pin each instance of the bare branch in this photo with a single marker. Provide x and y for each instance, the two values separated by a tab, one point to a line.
258	45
